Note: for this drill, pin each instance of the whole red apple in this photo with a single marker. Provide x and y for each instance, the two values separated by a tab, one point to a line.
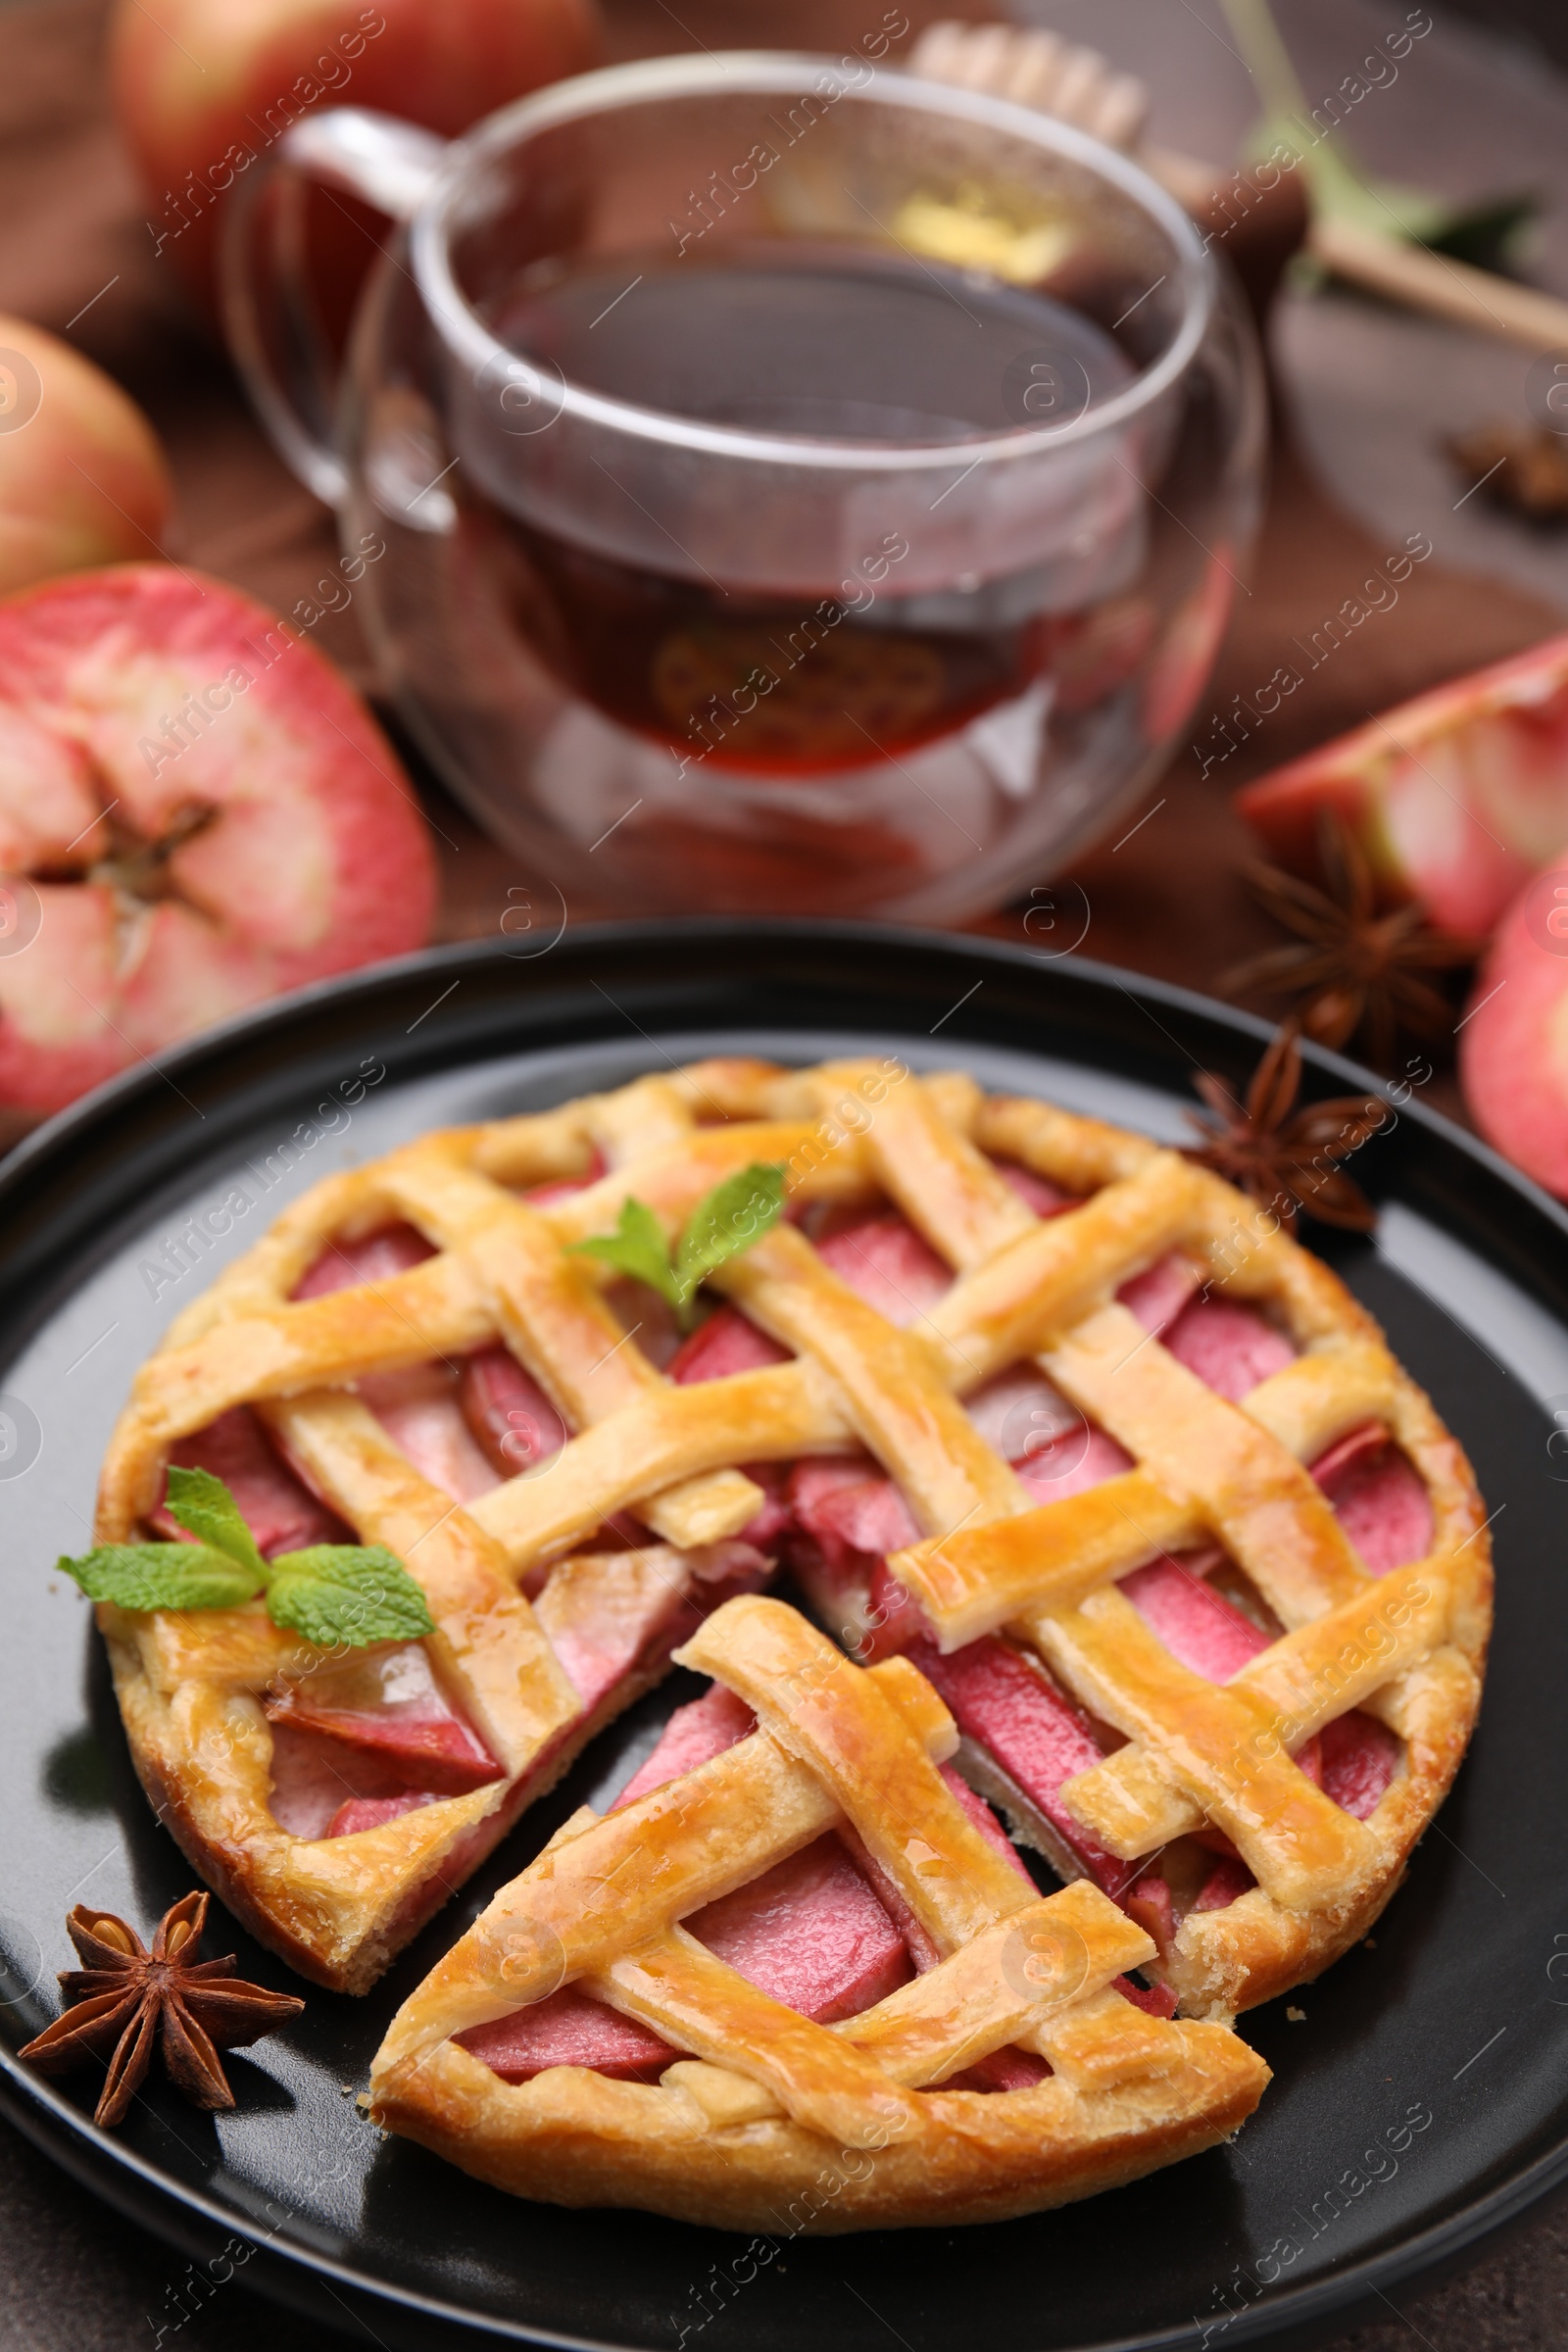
1513	1042
83	478
196	812
204	88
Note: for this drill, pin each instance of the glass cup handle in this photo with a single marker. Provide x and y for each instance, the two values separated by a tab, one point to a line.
274	332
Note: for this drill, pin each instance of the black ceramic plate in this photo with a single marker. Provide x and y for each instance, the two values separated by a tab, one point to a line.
1420	2098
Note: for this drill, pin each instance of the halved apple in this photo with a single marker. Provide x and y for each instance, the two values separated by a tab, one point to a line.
196	812
1457	798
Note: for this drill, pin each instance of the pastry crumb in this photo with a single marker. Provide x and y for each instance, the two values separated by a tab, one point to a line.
1297	2017
1371	1942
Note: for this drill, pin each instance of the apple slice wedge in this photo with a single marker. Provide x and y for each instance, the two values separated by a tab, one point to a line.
196	813
1456	798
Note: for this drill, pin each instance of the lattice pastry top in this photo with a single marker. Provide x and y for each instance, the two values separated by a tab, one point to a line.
1144	1669
773	2120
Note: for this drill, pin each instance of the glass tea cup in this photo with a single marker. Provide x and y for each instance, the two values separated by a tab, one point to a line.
773	483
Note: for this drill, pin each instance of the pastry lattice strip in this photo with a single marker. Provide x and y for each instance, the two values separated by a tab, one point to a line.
602	1907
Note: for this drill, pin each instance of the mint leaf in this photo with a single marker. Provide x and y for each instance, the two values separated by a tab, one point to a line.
637	1247
727	1220
164	1576
347	1593
203	1506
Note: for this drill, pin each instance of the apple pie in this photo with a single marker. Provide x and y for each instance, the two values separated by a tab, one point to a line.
1040	1416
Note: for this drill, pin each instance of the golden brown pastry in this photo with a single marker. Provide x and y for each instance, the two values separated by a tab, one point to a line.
1223	1662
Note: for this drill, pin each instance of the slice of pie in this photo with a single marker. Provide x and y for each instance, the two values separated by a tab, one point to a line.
796	1980
1201	1577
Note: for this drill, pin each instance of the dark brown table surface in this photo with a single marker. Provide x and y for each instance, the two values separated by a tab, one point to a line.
1169	901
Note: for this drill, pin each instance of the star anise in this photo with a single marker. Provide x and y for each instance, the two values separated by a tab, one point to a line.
1284	1158
124	1999
1356	970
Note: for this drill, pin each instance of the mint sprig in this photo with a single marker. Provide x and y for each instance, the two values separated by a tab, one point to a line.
725	1221
334	1595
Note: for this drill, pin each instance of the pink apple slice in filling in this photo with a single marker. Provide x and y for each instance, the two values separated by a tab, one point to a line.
387	1700
1159	1295
375	1258
884	1259
568	2027
1359	1759
560	1188
811	1933
694	1735
508	1413
853	1511
728	1343
1230	1346
369	1812
1199	1627
1023	1737
421	1410
612	1614
1378	1499
324	1788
